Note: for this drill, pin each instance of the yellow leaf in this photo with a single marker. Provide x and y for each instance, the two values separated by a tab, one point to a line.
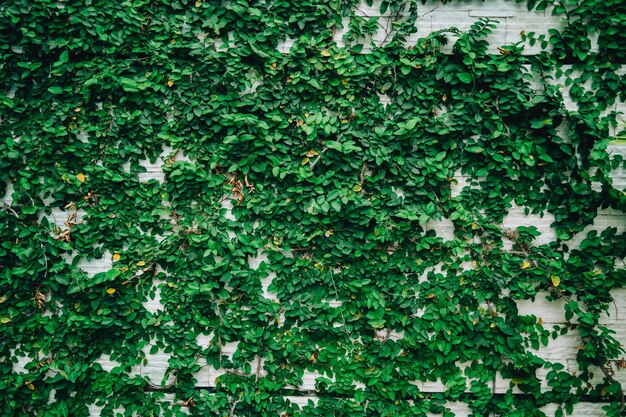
111	291
492	325
525	265
5	320
170	82
81	177
311	153
141	263
431	295
3	299
305	161
329	233
357	188
539	321
198	3
116	257
555	280
325	52
30	386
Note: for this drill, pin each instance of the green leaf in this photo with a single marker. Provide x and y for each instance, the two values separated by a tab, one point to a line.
130	85
98	278
332	144
465	77
410	125
56	90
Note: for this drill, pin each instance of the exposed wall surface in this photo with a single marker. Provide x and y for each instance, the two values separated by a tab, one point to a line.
563	350
154	364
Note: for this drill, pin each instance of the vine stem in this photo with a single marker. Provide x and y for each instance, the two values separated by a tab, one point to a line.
318	158
343	318
231	413
10	210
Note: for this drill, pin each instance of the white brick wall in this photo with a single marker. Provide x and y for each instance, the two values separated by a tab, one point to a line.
514	18
435	16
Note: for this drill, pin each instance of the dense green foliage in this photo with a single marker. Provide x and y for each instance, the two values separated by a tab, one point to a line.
335	188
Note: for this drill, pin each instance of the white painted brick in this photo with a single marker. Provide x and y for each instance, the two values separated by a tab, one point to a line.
562	348
458	409
458	184
310	378
580	410
154	304
230	348
303	401
431	386
203	376
388	334
227	205
214	374
619	373
443	227
155	366
107	363
517	217
605	219
285	45
95	266
333	303
265	283
153	172
7	198
95	410
553	312
59	217
513	19
19	362
502	385
619	302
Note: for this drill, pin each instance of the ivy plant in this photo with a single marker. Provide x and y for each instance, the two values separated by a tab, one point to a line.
293	216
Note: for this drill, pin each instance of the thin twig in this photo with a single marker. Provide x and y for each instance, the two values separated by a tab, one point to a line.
258	369
232	409
430	11
45	257
318	158
10	210
166	386
343	318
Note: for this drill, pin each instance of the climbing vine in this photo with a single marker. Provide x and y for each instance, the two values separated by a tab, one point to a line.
291	157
